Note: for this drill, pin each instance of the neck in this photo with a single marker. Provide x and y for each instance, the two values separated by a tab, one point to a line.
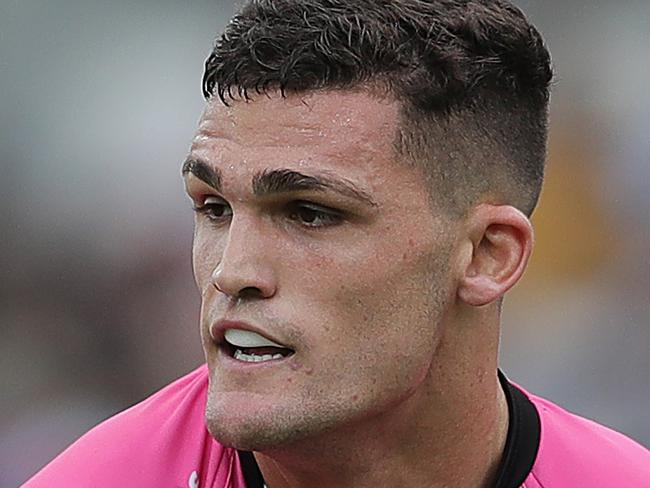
450	432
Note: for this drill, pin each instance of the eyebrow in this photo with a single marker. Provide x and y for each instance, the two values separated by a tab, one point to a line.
203	171
272	182
275	181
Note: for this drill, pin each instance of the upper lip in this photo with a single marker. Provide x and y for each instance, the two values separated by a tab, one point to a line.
219	328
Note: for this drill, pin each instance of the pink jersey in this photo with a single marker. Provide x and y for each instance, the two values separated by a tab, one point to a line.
575	452
163	442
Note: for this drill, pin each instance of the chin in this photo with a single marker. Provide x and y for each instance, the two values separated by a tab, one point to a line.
258	424
252	429
249	426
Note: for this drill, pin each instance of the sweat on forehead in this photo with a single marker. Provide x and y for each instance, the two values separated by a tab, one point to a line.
308	129
315	115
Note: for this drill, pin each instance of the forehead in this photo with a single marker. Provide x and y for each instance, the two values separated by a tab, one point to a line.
352	127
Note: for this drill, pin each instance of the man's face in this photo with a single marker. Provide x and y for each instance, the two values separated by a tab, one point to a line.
312	234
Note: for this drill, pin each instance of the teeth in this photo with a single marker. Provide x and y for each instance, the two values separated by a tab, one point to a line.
246	338
256	358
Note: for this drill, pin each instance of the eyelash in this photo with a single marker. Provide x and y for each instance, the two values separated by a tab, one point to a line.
328	216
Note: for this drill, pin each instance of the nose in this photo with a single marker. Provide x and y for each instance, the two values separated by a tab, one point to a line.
245	268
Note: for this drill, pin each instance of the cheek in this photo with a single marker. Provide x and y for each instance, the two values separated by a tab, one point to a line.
378	332
389	302
206	254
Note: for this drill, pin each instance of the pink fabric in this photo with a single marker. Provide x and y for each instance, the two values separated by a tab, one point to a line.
163	442
160	442
575	452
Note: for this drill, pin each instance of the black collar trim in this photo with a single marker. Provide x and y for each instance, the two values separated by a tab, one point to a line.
251	470
522	443
519	454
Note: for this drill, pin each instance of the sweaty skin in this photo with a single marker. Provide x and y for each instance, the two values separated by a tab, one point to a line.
393	380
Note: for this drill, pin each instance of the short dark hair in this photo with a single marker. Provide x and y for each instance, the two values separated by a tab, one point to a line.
472	77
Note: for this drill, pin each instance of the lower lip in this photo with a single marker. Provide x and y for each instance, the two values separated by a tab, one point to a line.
231	362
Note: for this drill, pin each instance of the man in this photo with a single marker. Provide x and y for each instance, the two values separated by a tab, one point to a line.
363	177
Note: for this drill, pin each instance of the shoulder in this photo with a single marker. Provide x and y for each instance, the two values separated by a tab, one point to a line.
160	441
575	451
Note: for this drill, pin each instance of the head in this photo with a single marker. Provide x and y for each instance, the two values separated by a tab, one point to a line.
362	173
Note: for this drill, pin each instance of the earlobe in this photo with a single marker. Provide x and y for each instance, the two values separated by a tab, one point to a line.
500	239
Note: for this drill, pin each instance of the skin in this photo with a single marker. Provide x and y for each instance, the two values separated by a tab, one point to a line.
391	308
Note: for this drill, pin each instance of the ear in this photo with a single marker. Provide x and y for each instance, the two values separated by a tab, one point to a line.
498	244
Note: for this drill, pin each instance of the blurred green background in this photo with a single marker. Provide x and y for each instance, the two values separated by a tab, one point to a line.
98	103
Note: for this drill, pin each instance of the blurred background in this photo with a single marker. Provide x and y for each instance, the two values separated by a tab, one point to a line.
98	103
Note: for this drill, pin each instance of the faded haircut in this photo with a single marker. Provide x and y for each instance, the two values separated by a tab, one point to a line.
472	78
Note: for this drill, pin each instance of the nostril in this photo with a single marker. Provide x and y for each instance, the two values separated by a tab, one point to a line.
250	292
246	281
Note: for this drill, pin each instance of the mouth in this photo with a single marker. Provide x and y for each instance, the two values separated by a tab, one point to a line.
250	347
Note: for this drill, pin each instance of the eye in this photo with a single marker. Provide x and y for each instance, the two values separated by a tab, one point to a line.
312	215
214	208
